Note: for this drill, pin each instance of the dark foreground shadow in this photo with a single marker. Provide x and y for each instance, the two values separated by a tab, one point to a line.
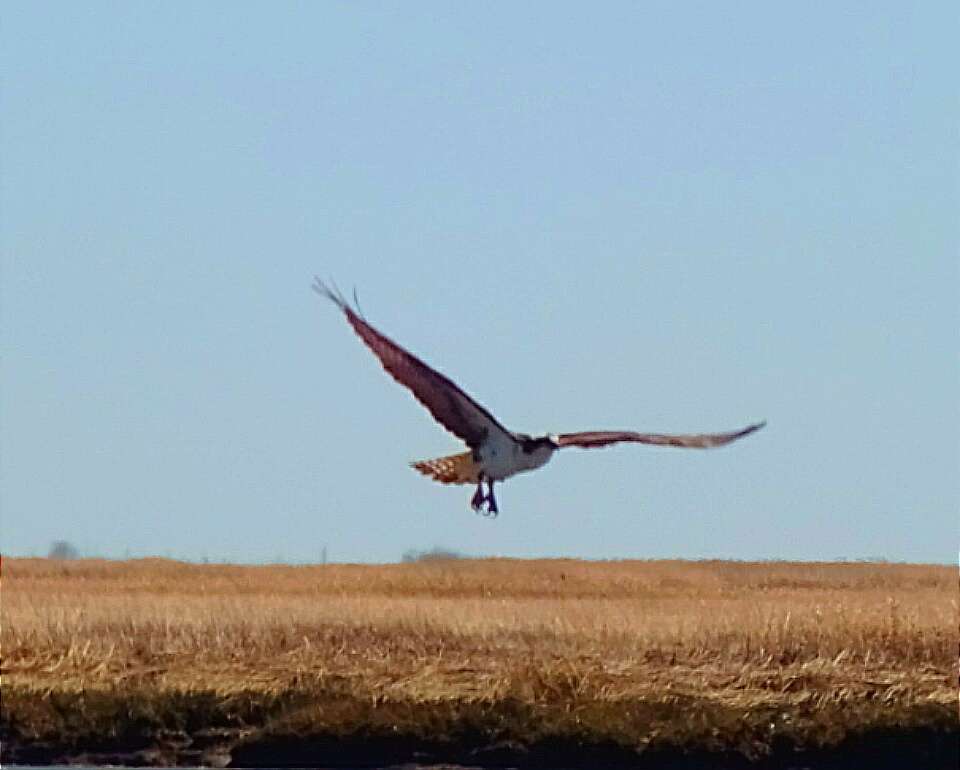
880	749
334	730
883	749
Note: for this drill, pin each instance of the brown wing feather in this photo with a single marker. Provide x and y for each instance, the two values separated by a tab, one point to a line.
599	438
448	404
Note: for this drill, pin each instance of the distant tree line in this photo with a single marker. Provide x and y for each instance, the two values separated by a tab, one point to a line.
437	553
63	550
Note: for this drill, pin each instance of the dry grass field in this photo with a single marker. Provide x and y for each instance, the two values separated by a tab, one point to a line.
186	662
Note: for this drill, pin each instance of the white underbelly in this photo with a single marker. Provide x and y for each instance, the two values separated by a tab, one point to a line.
501	459
499	466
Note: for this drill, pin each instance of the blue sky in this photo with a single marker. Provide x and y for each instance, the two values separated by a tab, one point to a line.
661	216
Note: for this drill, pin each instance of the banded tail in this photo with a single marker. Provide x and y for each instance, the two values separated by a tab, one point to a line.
454	469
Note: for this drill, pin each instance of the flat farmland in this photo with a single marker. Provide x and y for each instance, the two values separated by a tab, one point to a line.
487	661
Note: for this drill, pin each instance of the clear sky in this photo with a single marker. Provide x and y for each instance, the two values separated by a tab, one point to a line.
661	216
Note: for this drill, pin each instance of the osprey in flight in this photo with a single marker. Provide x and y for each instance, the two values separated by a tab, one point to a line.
495	452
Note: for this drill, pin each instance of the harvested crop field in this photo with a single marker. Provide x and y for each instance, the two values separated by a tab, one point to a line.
553	663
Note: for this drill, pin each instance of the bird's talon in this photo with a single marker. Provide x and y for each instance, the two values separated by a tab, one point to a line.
478	500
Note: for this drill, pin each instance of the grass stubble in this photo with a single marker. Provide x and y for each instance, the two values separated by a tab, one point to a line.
474	661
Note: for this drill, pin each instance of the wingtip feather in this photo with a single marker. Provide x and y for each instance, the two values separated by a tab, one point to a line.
332	292
325	291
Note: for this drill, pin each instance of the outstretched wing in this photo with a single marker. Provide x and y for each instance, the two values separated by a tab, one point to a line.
449	405
599	438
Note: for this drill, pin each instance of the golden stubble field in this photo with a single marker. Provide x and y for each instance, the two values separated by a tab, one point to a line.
871	641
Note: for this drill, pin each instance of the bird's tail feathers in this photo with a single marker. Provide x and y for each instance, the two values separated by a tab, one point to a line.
454	469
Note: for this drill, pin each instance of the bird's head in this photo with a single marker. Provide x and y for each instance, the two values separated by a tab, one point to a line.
531	445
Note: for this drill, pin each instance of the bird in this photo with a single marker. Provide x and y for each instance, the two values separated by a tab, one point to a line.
495	453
